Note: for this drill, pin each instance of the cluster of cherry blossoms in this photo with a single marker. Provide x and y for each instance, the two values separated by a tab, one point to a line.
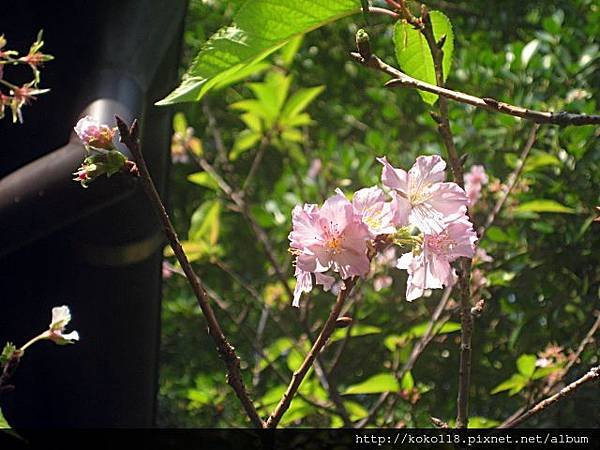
103	157
19	96
421	215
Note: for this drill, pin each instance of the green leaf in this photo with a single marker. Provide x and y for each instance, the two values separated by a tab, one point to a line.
543	205
193	249
262	27
514	384
383	382
242	74
417	331
203	179
289	50
7	353
3	423
541	159
244	141
357	330
300	100
252	122
205	222
180	124
526	365
355	410
272	93
414	56
408	382
294	360
543	372
274	351
482	422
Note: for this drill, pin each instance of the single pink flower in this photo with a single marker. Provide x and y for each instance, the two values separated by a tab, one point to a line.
429	266
94	134
377	214
332	237
422	192
474	180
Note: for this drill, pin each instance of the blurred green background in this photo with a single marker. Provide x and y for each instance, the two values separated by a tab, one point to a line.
542	286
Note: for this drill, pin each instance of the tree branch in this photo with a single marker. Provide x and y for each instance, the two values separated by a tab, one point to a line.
593	374
400	79
322	339
129	136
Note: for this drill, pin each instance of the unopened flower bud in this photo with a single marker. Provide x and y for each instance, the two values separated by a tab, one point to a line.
343	322
363	44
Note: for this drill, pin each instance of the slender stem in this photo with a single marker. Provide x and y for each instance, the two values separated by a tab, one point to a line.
593	374
400	79
383	11
511	181
39	337
264	143
299	374
129	136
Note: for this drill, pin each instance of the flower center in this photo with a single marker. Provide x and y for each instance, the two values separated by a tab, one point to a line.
440	244
334	244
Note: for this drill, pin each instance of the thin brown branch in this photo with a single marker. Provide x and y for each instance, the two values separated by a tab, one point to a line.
264	143
129	136
216	132
400	79
299	374
580	348
511	181
592	375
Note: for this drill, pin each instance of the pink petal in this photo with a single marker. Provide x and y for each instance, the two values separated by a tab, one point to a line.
392	177
426	171
367	198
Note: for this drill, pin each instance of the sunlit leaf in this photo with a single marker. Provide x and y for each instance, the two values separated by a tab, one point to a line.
543	205
383	382
357	330
203	179
261	27
205	222
244	141
526	365
516	382
414	56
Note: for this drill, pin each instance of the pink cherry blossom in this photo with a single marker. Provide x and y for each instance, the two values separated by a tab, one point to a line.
474	179
429	266
94	134
422	192
377	214
329	238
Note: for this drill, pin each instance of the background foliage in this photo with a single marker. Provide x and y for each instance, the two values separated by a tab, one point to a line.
310	102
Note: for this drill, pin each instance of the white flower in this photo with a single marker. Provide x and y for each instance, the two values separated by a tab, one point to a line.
61	316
